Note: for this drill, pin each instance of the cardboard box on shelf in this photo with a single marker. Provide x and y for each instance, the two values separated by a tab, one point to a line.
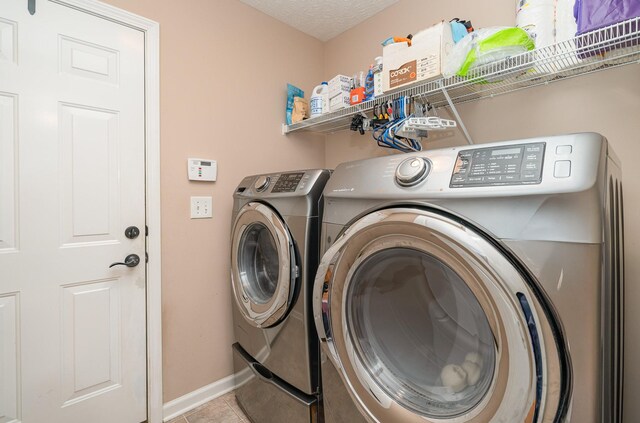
339	84
340	79
404	65
340	89
339	101
357	96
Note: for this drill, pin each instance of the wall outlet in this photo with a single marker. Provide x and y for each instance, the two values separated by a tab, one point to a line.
201	208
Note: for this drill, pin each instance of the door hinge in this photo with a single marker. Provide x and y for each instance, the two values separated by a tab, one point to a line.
146	257
31	6
146	230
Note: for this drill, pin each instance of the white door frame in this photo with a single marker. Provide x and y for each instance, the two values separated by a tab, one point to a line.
151	32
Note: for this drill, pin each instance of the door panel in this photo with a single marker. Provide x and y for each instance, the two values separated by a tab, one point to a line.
91	339
8	180
9	359
87	60
8	41
89	166
71	180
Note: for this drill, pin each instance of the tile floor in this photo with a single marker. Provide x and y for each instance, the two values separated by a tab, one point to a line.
223	409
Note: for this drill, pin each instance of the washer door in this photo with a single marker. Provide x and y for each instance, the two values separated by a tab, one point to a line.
263	266
428	322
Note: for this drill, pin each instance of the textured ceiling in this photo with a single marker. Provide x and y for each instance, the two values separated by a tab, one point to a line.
323	19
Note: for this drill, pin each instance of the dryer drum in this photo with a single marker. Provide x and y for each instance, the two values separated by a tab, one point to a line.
424	319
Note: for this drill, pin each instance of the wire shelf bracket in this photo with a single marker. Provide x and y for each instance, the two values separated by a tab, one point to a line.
454	110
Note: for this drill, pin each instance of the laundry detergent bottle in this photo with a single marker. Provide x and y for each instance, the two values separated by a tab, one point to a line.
319	100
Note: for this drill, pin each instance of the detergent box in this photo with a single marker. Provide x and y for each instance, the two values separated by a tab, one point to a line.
404	65
339	84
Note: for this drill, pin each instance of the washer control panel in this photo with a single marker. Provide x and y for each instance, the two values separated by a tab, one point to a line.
287	182
509	165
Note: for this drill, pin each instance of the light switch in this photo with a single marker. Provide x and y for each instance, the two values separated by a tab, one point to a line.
201	208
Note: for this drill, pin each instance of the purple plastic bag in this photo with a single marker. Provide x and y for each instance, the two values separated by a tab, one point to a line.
592	15
595	14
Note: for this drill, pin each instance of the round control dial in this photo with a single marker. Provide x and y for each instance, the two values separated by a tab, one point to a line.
412	171
262	183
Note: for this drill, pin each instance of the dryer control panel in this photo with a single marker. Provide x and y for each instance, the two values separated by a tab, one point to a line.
288	182
508	165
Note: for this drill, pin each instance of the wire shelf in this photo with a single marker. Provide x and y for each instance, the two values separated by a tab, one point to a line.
609	47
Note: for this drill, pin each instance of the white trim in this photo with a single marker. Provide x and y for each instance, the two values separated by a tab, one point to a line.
198	397
188	402
151	30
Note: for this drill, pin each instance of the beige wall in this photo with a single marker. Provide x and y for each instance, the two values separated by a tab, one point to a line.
224	69
607	102
220	56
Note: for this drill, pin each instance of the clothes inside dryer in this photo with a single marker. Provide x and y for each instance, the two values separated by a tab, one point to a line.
420	332
258	263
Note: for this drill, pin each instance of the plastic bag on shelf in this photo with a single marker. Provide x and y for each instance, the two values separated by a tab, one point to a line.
485	46
300	109
596	14
292	92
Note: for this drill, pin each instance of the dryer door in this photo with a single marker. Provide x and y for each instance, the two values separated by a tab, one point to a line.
427	321
263	265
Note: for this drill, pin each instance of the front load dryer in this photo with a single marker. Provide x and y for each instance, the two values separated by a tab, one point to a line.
476	284
274	257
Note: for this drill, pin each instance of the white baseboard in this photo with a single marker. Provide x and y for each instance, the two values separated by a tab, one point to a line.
188	402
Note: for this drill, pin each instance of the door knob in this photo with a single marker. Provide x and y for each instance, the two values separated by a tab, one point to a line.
132	260
132	232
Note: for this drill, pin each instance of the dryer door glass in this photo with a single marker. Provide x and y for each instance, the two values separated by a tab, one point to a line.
421	332
258	263
263	266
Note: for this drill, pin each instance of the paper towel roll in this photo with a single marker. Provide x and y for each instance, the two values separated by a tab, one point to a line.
566	26
566	29
537	17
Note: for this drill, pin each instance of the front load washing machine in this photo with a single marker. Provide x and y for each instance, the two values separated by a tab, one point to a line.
475	284
274	257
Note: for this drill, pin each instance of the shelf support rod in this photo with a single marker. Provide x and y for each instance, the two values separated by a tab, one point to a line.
455	113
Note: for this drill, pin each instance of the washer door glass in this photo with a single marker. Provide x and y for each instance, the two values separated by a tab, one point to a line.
420	332
258	263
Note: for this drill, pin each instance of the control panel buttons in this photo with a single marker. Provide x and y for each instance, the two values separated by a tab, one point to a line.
504	165
287	182
562	150
262	183
412	171
562	169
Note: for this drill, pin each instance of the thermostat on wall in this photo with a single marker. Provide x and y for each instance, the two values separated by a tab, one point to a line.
202	170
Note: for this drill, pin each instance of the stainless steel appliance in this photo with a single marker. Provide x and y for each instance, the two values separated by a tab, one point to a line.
475	284
274	256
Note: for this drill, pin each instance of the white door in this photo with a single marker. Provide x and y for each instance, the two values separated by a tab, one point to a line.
72	330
